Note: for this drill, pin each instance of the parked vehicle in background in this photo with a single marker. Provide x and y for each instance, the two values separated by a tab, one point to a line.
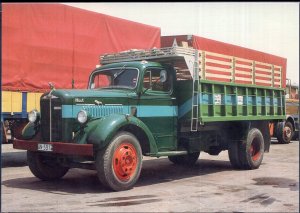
172	101
289	129
44	43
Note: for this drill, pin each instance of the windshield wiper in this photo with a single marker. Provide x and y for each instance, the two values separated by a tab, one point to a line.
117	74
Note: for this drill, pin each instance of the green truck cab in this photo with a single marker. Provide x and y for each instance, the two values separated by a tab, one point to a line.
149	103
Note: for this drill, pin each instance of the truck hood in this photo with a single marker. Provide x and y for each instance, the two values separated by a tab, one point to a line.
106	96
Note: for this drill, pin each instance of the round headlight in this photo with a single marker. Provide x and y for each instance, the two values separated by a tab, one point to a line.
32	116
82	116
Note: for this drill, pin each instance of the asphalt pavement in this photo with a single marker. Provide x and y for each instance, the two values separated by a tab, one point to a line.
211	185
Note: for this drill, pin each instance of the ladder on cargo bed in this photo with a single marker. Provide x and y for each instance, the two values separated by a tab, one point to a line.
195	95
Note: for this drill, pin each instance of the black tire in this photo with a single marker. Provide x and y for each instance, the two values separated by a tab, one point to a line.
45	167
285	132
247	154
296	136
188	160
119	164
251	150
233	153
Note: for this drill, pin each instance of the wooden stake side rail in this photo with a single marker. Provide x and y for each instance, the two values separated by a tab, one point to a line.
224	68
212	66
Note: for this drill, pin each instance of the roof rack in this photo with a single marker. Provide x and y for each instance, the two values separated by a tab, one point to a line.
182	58
158	54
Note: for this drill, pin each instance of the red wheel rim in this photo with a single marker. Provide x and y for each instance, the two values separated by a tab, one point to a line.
255	150
125	161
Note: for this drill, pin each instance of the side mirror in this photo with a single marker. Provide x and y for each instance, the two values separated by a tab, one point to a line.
163	76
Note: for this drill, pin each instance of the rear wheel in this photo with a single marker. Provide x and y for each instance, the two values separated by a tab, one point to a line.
189	159
45	167
247	154
251	150
285	132
233	153
119	164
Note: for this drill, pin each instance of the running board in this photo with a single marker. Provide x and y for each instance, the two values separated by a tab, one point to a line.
171	153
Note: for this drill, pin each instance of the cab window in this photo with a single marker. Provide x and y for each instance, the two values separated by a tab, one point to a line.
156	79
114	78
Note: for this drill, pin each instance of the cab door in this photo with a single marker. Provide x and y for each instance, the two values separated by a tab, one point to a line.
157	108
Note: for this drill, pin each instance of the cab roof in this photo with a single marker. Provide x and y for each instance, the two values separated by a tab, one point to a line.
136	64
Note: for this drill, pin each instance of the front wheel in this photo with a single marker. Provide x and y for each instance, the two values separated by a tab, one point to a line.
119	164
45	167
189	159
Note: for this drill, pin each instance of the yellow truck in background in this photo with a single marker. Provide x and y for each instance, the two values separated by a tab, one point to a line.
15	107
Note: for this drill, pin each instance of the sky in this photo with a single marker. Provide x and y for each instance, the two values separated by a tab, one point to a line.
268	27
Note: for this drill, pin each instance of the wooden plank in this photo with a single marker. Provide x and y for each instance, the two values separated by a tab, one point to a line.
242	78
243	66
218	68
261	63
263	75
218	55
219	62
203	64
218	76
263	70
232	72
243	75
262	81
244	60
243	72
218	72
218	79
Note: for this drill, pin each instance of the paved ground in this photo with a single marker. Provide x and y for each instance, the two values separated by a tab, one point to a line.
210	186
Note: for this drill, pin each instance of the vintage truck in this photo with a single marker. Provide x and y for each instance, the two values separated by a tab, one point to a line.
157	102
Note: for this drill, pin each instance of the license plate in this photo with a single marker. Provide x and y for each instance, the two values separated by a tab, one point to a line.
45	147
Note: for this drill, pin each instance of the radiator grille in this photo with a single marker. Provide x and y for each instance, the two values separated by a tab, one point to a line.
56	119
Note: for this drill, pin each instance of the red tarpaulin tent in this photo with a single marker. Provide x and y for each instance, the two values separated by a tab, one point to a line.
56	43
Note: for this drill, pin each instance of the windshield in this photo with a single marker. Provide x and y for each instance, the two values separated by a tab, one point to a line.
122	77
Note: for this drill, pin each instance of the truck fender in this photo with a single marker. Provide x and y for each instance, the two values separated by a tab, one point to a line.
101	131
29	131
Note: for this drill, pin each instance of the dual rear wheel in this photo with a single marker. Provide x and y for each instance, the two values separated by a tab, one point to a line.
247	154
